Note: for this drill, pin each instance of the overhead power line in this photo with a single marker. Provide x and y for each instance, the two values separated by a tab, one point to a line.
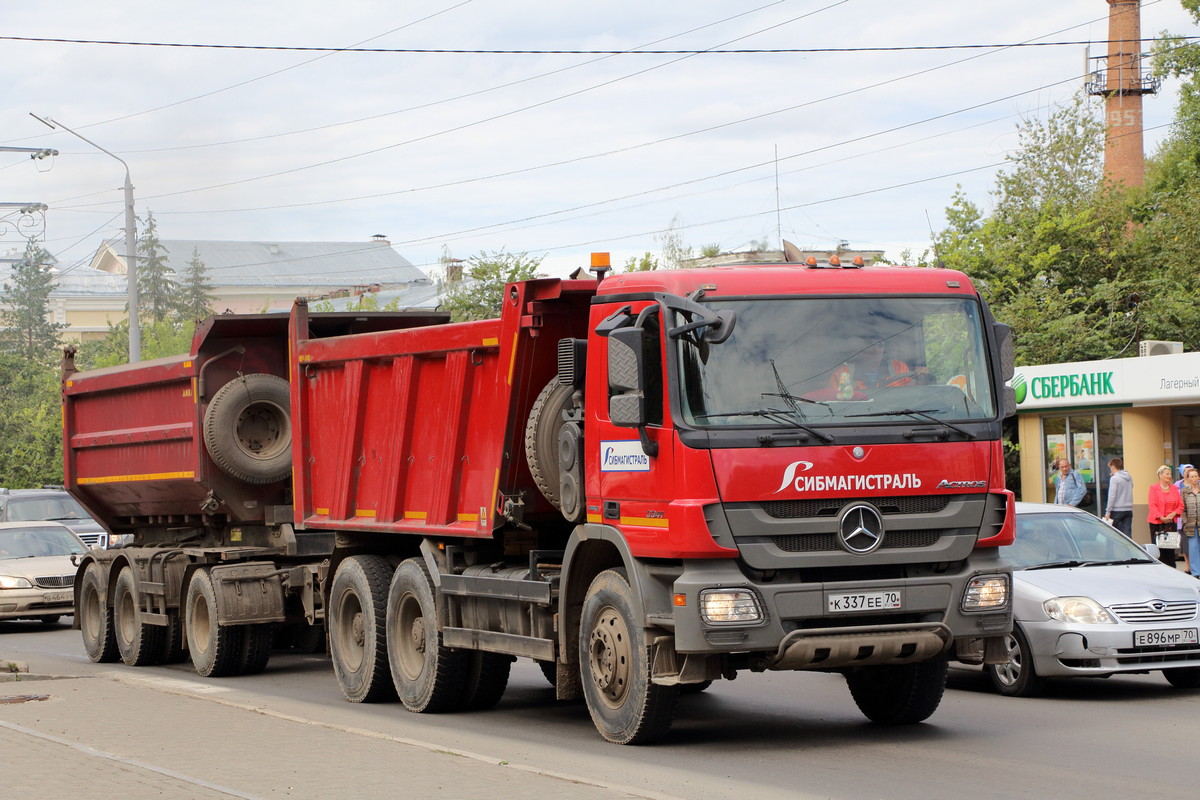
571	52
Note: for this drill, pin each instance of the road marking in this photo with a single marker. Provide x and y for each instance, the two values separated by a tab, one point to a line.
133	762
185	687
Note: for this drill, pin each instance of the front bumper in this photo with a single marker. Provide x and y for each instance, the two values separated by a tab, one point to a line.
31	603
798	631
1064	650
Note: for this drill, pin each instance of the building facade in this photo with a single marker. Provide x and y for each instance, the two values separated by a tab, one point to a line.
1144	410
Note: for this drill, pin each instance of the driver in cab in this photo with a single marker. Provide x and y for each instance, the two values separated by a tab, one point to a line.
869	370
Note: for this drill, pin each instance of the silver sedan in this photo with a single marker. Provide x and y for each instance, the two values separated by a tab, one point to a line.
1088	601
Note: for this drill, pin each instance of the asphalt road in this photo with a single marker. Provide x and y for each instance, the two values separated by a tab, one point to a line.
795	735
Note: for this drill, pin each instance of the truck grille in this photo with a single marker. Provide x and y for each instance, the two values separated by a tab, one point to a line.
829	507
823	542
54	581
1155	611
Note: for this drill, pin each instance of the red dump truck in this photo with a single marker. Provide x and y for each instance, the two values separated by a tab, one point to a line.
645	482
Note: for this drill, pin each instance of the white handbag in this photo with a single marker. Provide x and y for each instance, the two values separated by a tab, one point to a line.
1168	540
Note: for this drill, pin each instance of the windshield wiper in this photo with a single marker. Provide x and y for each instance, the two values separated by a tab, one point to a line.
1056	564
923	413
774	414
1146	560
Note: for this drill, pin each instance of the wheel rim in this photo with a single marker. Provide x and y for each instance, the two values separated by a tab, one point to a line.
263	430
200	624
89	603
351	631
126	613
609	656
411	634
1009	673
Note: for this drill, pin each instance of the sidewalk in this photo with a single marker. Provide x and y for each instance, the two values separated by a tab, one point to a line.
120	737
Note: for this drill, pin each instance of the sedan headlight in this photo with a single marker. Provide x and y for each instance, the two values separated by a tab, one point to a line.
1080	610
14	582
730	606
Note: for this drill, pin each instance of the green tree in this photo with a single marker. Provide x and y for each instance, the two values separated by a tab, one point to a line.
157	291
31	425
160	338
195	290
481	292
24	327
645	263
1053	257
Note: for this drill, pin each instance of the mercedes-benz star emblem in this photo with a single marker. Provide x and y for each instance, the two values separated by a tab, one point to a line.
860	529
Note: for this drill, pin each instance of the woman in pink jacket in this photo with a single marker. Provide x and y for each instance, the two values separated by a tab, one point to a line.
1165	504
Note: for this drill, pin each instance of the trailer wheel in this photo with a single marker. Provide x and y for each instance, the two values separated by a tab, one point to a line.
487	678
429	677
247	429
215	648
95	617
257	641
626	706
541	437
900	694
139	642
357	629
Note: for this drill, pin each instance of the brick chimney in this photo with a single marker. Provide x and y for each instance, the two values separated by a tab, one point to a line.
1122	84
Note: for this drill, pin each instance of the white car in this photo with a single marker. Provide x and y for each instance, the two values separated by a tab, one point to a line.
1089	601
37	576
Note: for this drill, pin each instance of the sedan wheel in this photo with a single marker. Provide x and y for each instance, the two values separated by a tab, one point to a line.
1017	678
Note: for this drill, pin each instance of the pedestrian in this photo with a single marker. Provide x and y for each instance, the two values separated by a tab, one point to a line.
1119	508
1071	488
1166	505
1190	541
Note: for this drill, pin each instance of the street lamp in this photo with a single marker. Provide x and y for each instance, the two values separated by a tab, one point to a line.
135	332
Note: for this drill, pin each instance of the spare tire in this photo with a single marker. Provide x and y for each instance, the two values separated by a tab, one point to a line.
541	437
248	430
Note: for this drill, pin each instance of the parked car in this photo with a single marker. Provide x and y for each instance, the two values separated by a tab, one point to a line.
1089	601
37	574
54	504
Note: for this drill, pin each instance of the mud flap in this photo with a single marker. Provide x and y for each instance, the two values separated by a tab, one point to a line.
248	594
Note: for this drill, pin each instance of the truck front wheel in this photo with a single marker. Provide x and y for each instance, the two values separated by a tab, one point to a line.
95	617
899	694
216	649
625	705
357	632
140	643
428	676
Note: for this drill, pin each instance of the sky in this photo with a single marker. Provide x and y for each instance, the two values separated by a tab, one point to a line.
859	134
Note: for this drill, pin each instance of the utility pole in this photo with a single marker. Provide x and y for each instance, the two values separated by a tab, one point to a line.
135	331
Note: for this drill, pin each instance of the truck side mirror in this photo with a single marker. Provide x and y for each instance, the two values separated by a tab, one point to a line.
626	378
1006	360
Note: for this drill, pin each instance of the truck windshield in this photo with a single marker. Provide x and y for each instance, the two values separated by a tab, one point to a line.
840	360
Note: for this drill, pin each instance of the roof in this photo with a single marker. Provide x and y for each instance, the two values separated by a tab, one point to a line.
273	263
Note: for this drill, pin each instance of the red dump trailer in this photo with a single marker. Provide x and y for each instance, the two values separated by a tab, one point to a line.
644	483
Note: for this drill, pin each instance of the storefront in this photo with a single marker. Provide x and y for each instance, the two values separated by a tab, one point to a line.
1145	411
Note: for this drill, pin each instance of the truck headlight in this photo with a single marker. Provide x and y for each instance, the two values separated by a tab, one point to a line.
726	606
986	593
1080	610
13	582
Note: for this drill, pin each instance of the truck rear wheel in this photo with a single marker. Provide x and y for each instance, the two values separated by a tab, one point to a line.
247	428
625	705
487	679
95	617
357	630
899	694
215	648
139	643
172	650
541	437
257	641
428	676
